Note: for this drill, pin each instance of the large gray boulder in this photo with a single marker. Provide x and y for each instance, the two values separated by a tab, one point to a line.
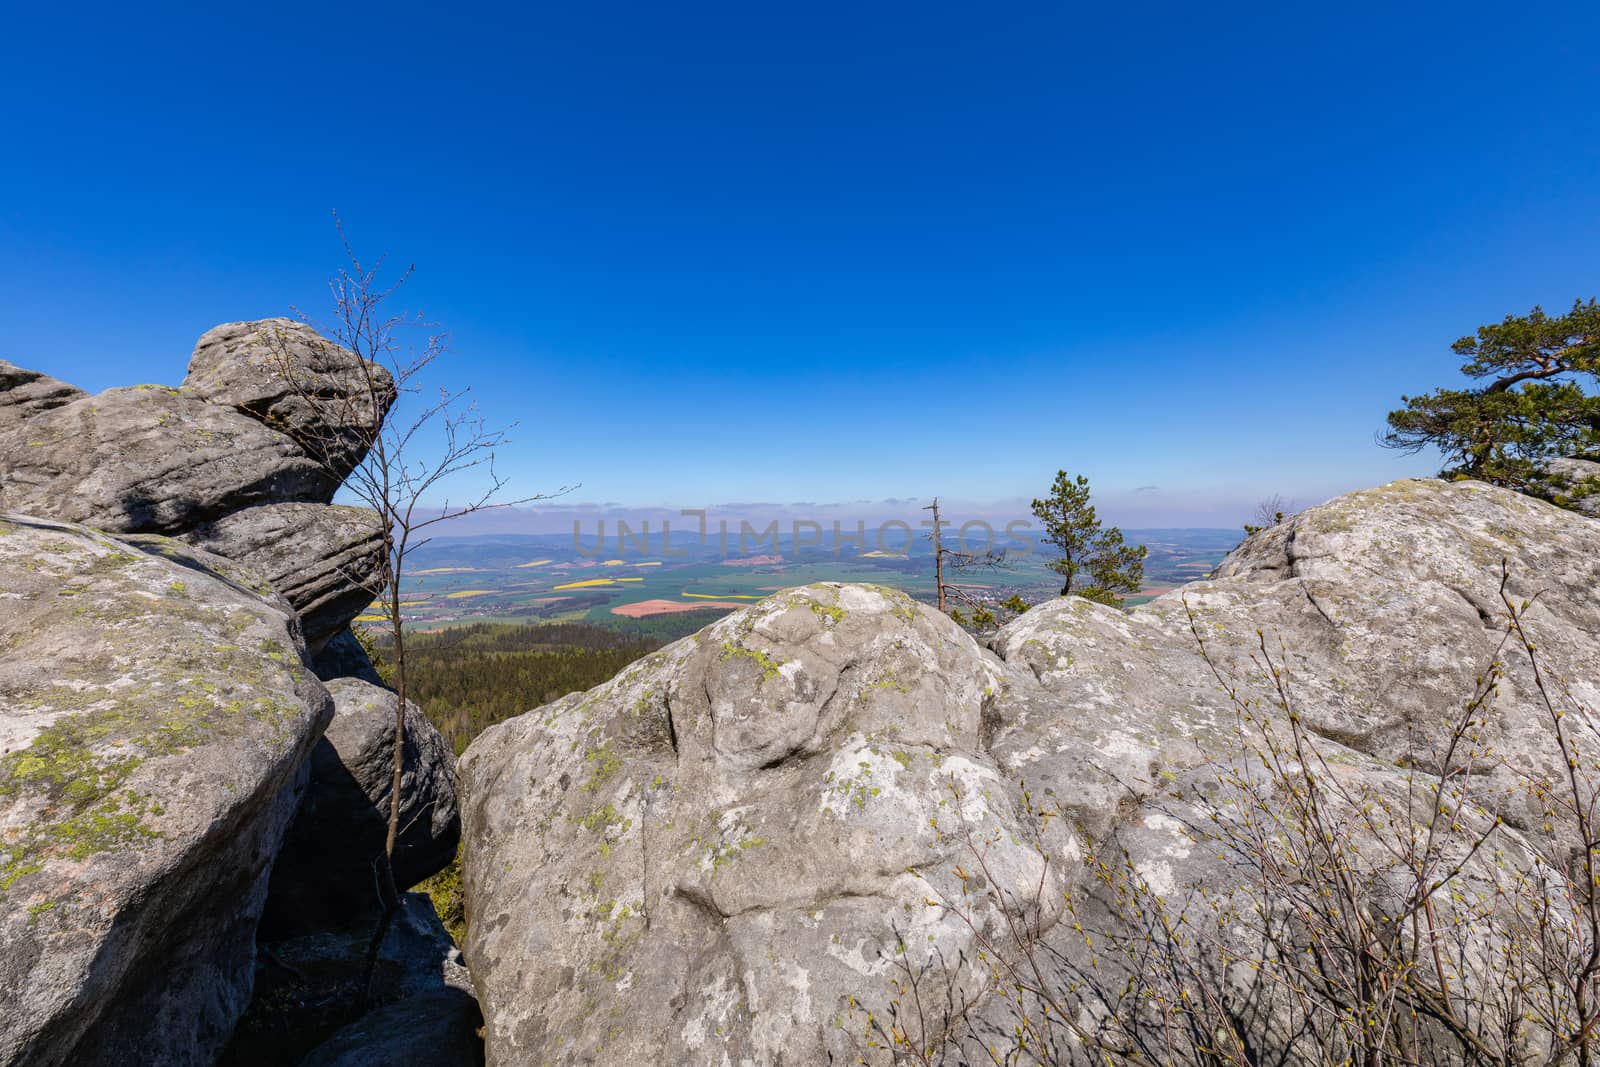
27	392
323	878
324	559
704	859
742	846
1387	600
242	460
155	720
296	381
149	459
1385	608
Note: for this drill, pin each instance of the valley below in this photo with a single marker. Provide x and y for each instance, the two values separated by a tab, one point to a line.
536	578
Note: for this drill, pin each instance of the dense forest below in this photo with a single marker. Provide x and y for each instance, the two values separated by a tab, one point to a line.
467	678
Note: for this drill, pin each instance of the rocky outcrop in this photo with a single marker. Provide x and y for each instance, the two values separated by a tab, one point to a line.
324	878
155	722
1388	599
1384	608
325	559
291	378
731	852
149	459
702	859
27	392
159	725
238	461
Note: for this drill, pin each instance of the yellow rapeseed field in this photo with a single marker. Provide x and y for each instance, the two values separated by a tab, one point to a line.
587	584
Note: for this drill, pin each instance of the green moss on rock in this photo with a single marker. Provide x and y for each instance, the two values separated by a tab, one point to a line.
830	612
770	668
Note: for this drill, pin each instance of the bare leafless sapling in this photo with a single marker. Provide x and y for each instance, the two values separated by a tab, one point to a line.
949	562
1269	512
400	463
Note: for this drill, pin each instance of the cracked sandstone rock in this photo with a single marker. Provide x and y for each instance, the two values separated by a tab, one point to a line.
236	461
285	375
705	858
155	717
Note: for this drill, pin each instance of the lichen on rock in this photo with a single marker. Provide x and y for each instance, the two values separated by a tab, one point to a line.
154	718
727	853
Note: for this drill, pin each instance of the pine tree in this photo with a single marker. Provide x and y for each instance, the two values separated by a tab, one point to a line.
1532	408
1095	560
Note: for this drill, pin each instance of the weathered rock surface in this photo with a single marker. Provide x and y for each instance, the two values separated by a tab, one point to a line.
272	369
323	879
1388	599
1385	606
158	726
240	460
149	459
27	392
703	859
155	717
323	558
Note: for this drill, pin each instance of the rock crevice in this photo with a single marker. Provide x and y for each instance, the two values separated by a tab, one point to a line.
171	569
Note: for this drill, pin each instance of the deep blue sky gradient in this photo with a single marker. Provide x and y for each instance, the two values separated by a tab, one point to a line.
825	252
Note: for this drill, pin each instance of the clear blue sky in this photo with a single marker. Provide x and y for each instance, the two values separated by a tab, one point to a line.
824	252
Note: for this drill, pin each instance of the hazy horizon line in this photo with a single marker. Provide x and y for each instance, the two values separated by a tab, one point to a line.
1144	508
